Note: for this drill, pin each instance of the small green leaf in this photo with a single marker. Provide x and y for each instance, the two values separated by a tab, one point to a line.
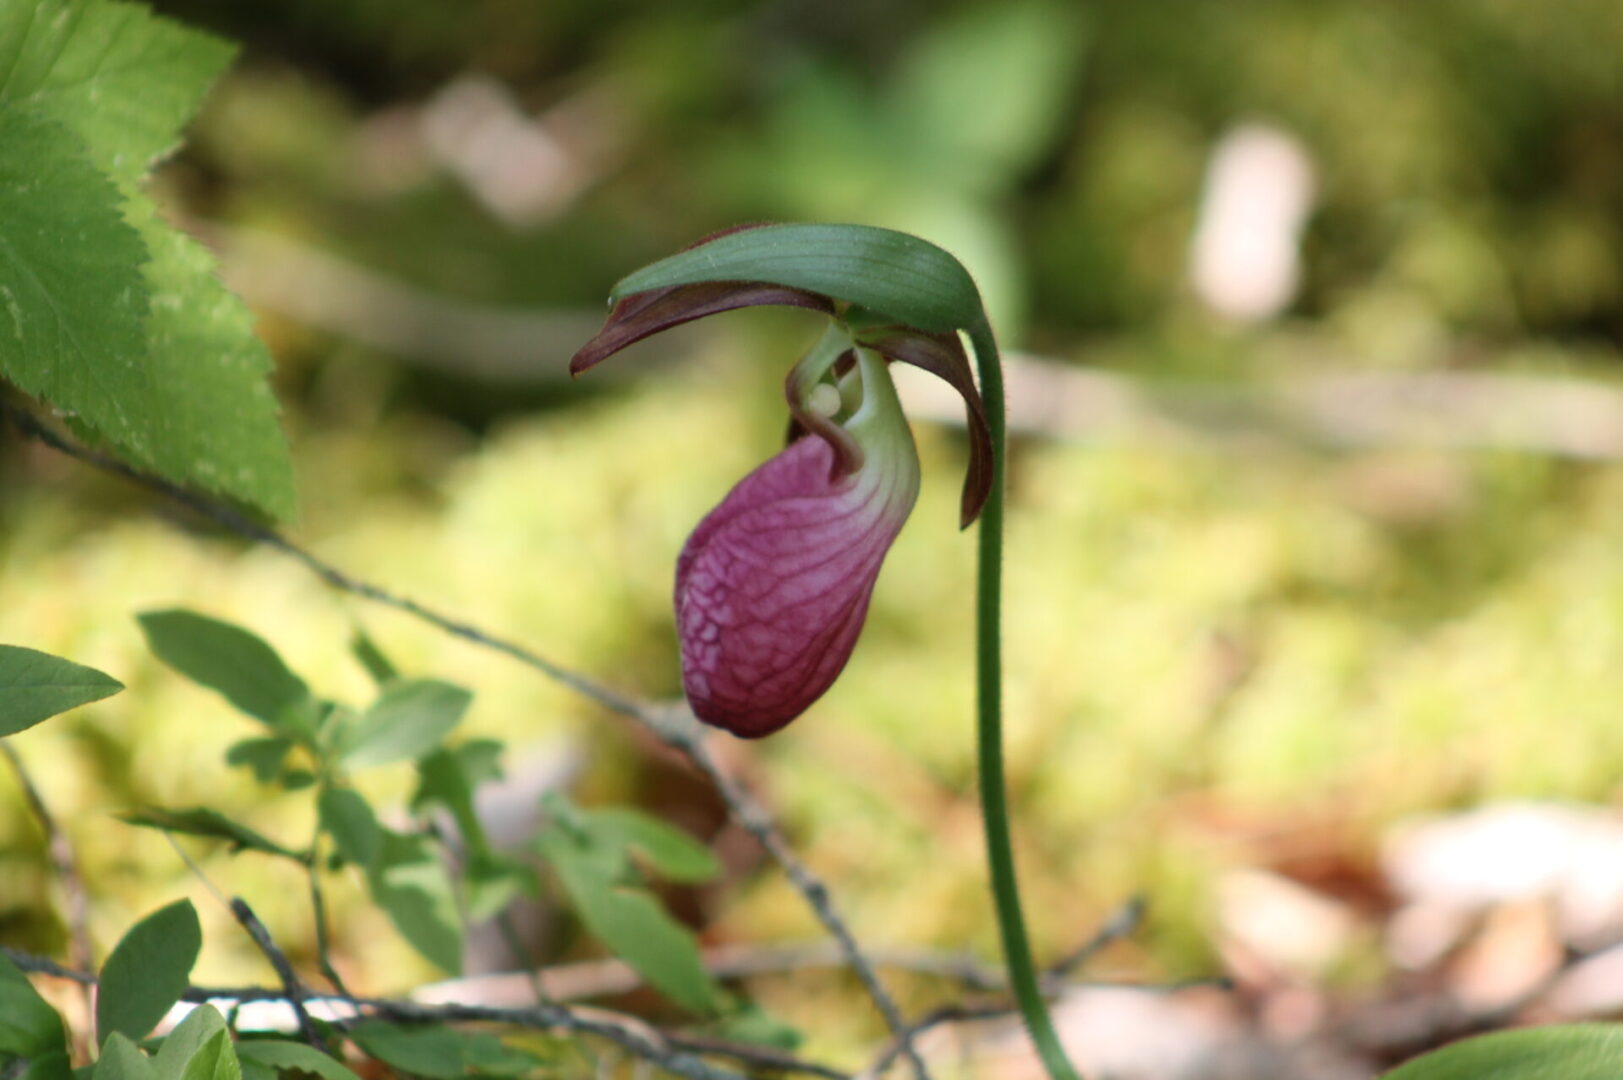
148	971
409	882
894	273
263	756
232	661
757	1027
214	1060
407	721
348	819
1572	1052
631	923
201	821
445	778
371	657
35	686
181	1045
121	1059
493	882
672	852
284	1056
431	1050
29	1027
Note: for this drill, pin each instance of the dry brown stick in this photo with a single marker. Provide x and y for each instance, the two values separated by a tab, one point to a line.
64	863
676	728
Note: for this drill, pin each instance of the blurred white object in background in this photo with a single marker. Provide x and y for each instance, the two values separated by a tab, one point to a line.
1447	870
1259	189
524	169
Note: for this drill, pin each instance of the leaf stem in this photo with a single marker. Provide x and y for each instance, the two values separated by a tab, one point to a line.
989	710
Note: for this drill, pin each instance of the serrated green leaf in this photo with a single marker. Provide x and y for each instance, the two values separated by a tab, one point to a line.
1573	1052
148	971
29	1027
219	427
631	923
411	885
672	852
232	661
202	821
431	1050
121	1059
408	720
36	686
73	301
893	273
181	1045
285	1056
349	820
123	79
166	366
263	756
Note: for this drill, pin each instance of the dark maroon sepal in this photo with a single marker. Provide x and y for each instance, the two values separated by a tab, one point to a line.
942	355
643	314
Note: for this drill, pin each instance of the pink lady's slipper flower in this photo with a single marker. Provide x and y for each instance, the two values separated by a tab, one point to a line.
773	585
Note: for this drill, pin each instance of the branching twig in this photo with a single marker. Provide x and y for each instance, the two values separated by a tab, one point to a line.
291	986
673	1052
1123	923
293	991
675	727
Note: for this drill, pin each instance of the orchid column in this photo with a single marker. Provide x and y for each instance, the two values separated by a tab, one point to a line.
773	586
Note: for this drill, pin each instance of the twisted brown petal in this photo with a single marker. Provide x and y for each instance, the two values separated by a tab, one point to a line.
942	355
645	313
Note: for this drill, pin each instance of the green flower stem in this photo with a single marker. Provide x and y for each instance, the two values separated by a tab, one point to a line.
989	709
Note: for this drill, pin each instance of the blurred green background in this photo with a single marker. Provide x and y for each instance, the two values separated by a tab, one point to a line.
1229	643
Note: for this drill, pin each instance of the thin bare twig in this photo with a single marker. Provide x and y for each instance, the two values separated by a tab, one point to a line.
674	1052
291	986
65	864
676	727
1122	923
293	991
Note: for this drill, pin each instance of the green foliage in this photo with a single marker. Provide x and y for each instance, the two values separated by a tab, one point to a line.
589	858
408	720
111	315
202	821
121	1059
1577	1052
274	1056
148	971
234	662
35	686
29	1027
409	881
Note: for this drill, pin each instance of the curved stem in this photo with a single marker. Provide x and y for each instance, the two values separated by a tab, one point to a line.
989	709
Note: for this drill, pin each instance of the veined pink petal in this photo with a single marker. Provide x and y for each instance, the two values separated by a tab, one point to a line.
773	586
